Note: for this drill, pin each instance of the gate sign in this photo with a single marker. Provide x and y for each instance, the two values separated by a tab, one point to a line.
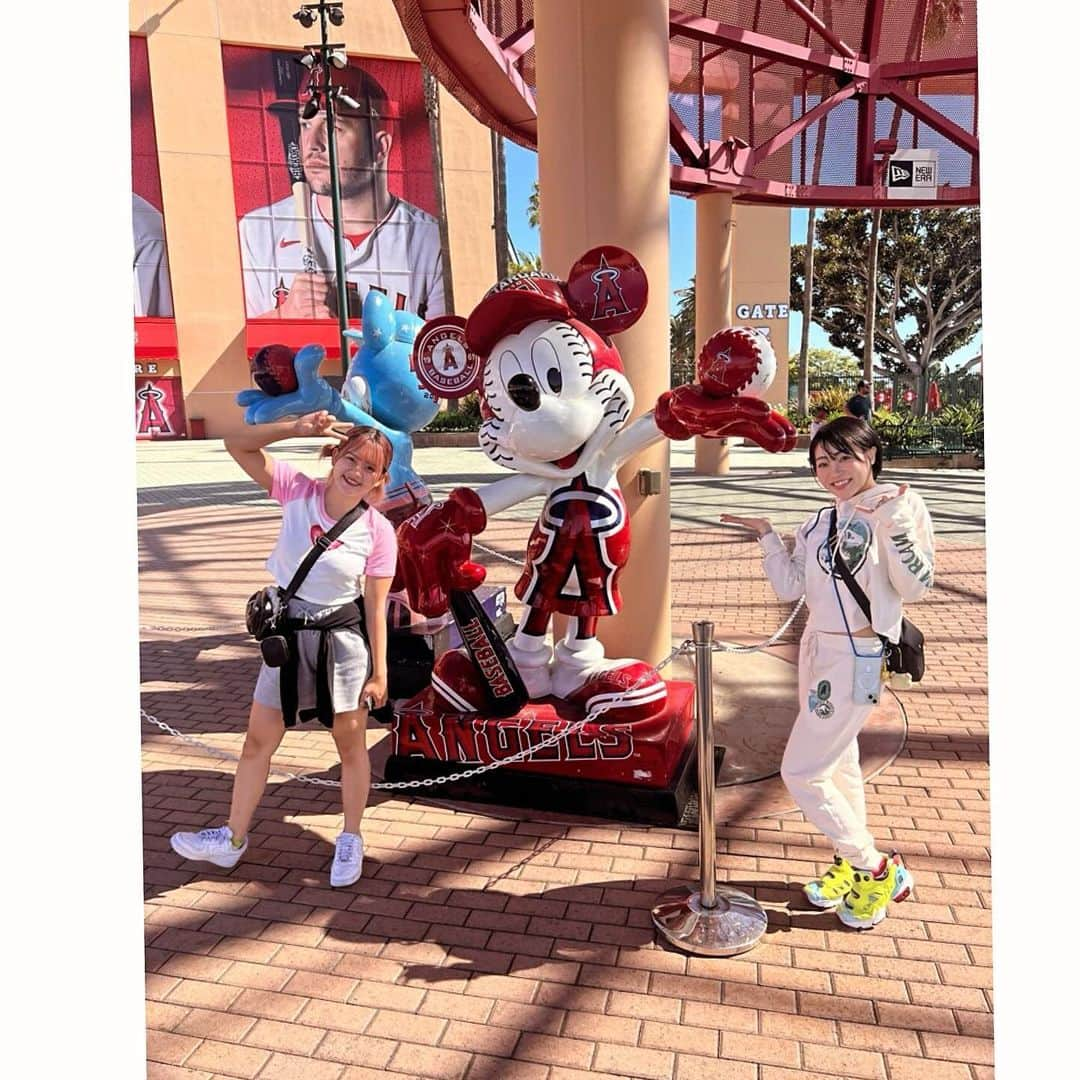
912	174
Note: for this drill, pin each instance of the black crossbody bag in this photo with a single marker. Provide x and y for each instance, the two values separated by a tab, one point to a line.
904	657
265	615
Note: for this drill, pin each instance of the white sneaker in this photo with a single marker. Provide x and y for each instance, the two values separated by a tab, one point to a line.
348	859
211	845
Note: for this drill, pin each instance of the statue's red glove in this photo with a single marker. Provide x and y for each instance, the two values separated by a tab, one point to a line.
434	548
690	410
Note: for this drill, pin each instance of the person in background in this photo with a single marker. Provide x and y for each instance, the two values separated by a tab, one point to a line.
860	404
820	418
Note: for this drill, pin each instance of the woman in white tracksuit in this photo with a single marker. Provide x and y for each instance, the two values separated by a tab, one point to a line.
885	537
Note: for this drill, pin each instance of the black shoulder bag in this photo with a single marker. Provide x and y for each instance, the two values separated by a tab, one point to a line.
904	657
266	609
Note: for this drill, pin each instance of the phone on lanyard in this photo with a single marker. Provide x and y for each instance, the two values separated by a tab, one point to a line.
867	684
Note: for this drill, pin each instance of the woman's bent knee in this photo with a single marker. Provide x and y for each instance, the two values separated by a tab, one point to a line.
265	731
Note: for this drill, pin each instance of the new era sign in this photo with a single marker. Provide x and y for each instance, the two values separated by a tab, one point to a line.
912	174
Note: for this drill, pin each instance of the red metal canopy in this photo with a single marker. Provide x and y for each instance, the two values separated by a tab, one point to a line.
792	102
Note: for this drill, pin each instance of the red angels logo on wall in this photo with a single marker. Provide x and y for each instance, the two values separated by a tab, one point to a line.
152	417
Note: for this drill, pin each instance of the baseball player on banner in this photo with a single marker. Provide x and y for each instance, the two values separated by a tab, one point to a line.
389	244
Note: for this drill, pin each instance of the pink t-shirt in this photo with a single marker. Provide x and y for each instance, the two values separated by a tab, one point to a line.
367	548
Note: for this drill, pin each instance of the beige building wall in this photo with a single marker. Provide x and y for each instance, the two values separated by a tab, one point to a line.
184	48
761	287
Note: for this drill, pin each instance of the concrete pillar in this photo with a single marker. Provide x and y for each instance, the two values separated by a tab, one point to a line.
715	228
602	79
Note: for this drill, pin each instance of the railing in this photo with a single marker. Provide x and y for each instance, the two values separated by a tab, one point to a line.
933	440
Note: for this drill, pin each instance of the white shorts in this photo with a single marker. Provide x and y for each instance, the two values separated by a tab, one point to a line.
349	666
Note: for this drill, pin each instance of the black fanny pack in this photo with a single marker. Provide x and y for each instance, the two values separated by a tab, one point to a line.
903	657
266	615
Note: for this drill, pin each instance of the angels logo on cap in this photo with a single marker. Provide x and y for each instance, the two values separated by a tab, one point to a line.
441	361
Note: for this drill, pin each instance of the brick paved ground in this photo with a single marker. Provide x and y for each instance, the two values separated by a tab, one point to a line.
482	944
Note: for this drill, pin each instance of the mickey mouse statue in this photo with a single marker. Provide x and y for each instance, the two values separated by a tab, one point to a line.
555	404
380	390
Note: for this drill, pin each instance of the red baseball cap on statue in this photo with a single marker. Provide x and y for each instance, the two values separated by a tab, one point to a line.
513	304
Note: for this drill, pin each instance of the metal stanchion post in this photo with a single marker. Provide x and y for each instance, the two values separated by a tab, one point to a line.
714	920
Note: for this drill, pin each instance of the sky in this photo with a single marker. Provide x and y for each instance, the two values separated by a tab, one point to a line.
521	174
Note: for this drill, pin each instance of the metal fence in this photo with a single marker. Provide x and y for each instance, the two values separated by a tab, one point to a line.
955	387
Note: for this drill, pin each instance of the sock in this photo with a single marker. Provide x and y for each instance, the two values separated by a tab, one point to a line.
232	839
878	872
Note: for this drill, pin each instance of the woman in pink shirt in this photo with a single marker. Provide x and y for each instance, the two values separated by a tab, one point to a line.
340	669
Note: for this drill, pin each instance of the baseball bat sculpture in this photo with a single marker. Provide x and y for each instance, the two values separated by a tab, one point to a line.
502	682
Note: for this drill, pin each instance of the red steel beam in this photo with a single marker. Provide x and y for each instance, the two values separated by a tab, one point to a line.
787	134
824	32
682	142
871	41
921	69
690	181
519	42
932	118
718	33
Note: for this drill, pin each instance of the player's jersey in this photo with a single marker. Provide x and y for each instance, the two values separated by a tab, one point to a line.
153	296
401	256
576	550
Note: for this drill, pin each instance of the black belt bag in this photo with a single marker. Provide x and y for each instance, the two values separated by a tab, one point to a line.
266	612
903	657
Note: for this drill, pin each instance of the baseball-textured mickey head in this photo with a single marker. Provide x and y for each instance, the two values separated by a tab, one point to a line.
737	360
552	381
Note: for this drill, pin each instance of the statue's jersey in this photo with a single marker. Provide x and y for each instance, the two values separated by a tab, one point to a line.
576	550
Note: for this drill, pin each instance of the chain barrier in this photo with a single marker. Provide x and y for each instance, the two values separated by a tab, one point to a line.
498	554
719	646
432	781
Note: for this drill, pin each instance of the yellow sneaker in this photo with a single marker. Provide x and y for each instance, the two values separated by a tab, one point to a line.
829	890
868	902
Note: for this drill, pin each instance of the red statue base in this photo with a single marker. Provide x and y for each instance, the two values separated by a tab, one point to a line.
642	771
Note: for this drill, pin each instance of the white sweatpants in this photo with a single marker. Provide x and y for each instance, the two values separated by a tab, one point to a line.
821	760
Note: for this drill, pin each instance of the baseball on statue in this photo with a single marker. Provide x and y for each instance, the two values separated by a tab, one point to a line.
737	360
273	371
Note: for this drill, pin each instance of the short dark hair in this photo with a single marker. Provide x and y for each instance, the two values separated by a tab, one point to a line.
863	385
848	435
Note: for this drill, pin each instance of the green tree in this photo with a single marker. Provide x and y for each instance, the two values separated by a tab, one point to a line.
683	352
824	364
533	211
929	285
523	262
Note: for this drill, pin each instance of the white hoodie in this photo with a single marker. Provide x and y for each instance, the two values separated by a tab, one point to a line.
890	553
